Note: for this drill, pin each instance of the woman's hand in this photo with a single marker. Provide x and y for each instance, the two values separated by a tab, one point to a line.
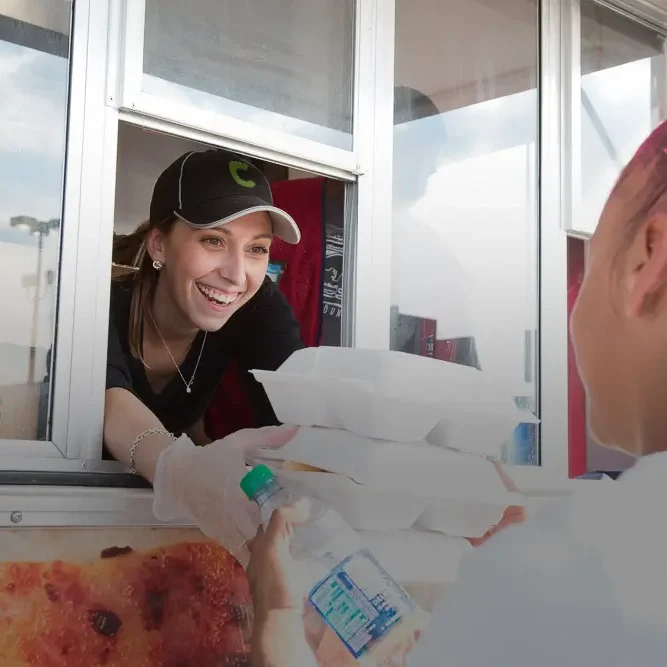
202	484
511	516
272	574
279	634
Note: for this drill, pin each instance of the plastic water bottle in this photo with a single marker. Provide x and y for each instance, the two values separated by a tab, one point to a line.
347	587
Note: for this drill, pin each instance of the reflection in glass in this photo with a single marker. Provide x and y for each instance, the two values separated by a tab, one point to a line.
285	65
622	91
34	72
464	234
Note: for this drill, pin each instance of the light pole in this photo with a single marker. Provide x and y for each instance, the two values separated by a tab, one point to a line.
40	229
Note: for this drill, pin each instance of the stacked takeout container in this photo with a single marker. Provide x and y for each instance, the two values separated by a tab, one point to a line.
400	445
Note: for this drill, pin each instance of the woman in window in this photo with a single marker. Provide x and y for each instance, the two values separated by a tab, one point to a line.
584	583
194	298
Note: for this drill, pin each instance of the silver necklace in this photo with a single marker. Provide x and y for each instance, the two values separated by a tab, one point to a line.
171	356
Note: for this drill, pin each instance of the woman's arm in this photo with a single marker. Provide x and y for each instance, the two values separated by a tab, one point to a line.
126	417
189	482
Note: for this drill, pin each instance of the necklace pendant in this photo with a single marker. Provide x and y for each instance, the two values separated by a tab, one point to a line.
188	390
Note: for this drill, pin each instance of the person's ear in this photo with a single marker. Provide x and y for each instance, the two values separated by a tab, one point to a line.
647	278
155	245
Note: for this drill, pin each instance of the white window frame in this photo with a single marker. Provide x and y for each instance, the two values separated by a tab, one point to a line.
554	168
131	97
370	275
638	11
571	123
97	104
76	397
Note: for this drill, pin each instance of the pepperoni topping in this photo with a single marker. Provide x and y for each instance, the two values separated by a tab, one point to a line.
105	622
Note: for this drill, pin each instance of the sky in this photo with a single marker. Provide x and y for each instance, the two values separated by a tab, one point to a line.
32	147
32	135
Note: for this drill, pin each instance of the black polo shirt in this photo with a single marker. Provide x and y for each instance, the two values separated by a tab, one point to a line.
262	334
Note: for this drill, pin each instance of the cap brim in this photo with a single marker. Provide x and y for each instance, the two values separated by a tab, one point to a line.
284	226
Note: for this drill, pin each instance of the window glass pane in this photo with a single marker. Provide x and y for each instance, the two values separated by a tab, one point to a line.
34	71
286	65
622	99
464	281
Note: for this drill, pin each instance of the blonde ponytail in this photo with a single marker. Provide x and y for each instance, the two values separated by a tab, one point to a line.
131	259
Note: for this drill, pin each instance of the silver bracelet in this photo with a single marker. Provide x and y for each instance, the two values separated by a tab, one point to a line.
139	438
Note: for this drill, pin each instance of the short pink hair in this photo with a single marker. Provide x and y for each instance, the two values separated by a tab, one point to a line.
643	181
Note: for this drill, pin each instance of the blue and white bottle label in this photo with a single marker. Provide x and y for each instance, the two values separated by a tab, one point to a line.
360	601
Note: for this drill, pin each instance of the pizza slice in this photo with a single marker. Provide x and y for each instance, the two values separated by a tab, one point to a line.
186	605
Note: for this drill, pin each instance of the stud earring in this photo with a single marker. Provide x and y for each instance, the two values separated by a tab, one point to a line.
157	265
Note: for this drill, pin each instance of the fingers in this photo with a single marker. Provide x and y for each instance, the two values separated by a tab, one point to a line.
283	519
280	527
478	541
267	437
515	514
253	540
512	515
298	512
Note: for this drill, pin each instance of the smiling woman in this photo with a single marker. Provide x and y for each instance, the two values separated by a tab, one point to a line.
190	296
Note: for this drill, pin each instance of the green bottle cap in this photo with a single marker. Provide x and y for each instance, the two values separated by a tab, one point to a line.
256	480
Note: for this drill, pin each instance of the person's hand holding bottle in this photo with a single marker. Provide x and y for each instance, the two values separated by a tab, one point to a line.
202	484
512	515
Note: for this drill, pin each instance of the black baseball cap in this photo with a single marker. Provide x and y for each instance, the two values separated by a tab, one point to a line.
210	188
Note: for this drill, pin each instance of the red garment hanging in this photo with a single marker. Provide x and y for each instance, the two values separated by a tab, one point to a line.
577	428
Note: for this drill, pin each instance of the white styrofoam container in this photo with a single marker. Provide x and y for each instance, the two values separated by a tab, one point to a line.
377	393
361	507
464	519
348	405
367	508
482	433
412	468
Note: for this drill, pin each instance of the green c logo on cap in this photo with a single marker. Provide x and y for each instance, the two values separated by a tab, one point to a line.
234	168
